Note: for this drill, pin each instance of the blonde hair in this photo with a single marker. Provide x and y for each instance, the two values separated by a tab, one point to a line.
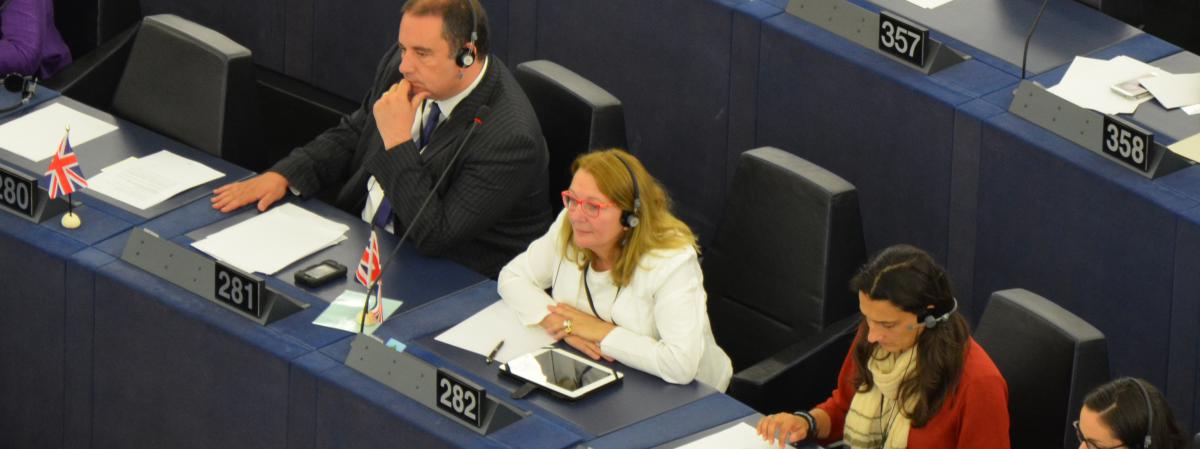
658	228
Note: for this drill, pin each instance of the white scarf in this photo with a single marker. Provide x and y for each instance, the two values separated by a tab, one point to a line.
874	414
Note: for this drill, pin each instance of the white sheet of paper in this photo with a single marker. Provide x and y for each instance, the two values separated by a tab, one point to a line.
1192	110
343	312
273	240
740	436
481	332
1189	147
36	135
1175	91
145	182
1088	83
929	4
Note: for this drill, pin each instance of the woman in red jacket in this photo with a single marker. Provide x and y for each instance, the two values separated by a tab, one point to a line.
914	377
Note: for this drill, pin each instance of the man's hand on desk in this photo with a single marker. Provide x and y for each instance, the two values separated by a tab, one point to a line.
266	189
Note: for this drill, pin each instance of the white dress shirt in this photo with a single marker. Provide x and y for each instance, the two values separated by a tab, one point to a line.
661	315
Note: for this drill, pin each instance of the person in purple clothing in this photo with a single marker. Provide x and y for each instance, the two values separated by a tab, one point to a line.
29	43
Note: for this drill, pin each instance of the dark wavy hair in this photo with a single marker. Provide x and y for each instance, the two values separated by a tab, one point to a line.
909	278
1122	408
456	21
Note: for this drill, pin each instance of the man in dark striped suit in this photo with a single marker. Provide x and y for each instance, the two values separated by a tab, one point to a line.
383	160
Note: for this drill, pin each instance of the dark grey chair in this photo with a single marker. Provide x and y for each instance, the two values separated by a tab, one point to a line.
1050	359
177	78
576	116
777	273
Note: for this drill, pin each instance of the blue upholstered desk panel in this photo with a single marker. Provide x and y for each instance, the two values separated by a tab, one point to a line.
964	202
1183	385
886	128
669	63
1090	235
34	292
348	409
172	369
76	427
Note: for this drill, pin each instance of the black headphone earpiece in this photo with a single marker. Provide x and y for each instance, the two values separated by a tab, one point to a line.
1146	440
25	84
466	56
630	218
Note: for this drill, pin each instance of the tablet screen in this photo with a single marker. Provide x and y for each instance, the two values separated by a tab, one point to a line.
560	371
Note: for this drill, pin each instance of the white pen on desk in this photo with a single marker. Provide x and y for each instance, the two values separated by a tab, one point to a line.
492	355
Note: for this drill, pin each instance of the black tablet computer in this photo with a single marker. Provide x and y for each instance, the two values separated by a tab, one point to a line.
562	373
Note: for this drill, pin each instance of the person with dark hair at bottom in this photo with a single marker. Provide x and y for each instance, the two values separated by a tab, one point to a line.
1128	413
383	160
29	43
914	377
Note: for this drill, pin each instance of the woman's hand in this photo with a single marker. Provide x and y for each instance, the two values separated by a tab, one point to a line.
590	349
784	428
582	325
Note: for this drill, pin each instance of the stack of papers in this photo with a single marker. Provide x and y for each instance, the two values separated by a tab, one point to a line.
496	323
344	312
273	240
1088	83
1176	91
145	182
741	435
36	135
1189	147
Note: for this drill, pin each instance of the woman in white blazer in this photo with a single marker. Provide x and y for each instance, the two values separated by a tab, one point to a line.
624	279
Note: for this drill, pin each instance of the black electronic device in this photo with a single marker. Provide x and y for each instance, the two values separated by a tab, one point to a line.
320	274
24	85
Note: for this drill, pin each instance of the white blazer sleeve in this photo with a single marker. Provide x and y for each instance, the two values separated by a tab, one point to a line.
679	314
523	281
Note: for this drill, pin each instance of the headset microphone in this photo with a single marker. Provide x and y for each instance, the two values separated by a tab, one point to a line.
1146	440
930	322
466	56
24	84
630	218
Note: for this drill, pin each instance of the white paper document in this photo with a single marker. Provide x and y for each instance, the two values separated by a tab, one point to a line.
1189	147
145	182
929	4
344	311
1192	110
36	135
1088	83
1175	91
482	331
740	436
273	240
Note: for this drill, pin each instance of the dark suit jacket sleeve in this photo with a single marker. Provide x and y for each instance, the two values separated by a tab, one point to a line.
324	162
492	175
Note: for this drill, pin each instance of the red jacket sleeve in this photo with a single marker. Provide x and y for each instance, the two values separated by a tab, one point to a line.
839	403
